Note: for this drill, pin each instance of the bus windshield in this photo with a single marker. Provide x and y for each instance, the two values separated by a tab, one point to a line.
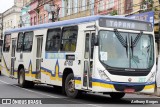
126	50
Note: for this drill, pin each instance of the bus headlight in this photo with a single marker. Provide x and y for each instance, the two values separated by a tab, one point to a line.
103	75
151	78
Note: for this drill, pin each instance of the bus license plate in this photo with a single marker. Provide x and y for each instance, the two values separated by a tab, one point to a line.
129	90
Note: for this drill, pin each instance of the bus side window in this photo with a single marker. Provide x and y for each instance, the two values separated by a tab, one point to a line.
92	44
20	42
87	46
53	39
7	42
28	40
69	38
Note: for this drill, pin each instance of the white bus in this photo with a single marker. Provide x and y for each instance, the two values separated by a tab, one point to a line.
106	54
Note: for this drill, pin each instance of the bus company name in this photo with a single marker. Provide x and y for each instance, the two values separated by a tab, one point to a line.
121	24
125	24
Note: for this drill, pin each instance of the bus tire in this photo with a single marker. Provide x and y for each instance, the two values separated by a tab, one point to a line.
70	87
0	72
117	95
22	82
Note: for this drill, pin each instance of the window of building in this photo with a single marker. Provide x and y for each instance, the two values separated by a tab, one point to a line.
110	4
41	20
80	5
53	39
11	24
69	38
87	4
7	43
44	18
28	41
35	20
128	4
31	22
66	7
20	42
101	5
72	6
8	25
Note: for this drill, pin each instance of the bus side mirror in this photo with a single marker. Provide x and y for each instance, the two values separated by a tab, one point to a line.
96	40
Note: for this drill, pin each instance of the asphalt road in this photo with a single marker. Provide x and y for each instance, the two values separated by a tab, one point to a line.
10	89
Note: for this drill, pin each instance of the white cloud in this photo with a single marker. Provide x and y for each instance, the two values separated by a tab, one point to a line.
5	4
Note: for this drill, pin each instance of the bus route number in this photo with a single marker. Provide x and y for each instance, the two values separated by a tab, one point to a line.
68	63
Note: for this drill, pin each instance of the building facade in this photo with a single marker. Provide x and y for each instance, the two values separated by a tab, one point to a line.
25	17
33	12
11	17
140	6
106	7
77	8
42	13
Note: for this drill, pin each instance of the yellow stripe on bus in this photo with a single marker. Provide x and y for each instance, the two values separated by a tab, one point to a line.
102	85
77	81
50	75
149	87
5	66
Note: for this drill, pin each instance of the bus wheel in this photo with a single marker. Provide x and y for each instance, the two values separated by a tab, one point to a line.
70	87
22	82
117	95
0	72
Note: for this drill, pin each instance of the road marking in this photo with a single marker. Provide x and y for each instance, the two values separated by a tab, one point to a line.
29	90
47	94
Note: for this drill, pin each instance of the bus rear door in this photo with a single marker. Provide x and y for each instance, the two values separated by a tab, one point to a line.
39	56
13	58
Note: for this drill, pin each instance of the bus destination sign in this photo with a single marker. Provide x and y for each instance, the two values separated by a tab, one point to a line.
125	24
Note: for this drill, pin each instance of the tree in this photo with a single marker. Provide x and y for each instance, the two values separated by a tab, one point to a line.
114	12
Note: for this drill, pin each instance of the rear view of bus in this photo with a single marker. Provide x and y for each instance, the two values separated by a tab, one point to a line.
125	61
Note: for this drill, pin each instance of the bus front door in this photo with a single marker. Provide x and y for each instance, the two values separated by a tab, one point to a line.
13	58
39	56
88	60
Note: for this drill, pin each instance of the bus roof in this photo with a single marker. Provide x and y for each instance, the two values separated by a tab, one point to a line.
62	23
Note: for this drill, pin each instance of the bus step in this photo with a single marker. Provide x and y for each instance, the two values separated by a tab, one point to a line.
37	81
86	89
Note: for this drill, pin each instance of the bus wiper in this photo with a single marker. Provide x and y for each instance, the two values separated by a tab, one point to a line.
134	43
121	39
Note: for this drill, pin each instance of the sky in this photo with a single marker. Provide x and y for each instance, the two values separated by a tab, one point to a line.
5	4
